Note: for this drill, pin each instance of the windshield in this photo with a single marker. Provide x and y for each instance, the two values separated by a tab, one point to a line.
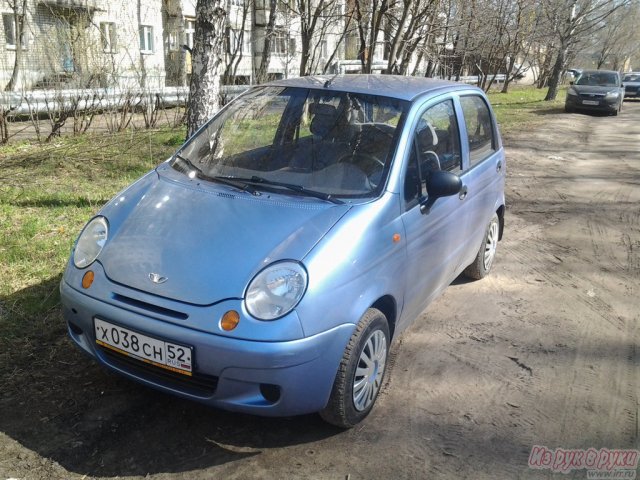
329	143
600	79
632	78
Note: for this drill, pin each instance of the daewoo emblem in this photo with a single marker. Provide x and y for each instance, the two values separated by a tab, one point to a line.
157	278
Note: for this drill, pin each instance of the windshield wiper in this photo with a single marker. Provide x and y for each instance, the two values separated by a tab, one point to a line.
243	185
297	188
291	186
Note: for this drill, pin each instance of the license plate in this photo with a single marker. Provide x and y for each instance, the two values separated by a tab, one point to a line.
590	102
167	355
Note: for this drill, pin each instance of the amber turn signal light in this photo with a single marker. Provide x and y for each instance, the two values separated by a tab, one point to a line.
230	320
87	279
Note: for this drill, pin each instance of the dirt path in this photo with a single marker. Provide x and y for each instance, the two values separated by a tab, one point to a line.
545	351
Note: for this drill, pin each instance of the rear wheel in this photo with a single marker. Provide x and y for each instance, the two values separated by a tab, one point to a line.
487	253
361	372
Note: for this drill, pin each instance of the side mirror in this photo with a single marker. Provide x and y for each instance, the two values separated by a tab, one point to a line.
439	184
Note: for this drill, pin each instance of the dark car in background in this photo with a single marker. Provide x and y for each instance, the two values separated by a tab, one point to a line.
596	90
631	82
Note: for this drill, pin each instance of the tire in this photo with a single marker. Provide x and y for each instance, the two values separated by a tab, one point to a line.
481	266
569	109
370	341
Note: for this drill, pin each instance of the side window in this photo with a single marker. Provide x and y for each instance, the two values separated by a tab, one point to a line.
436	146
437	138
477	118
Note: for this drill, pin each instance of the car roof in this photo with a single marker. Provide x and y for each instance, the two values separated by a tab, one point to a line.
396	86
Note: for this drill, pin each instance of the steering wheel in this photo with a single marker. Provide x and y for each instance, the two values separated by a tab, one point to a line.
366	161
371	165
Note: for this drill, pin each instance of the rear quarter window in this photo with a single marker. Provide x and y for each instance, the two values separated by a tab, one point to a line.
480	134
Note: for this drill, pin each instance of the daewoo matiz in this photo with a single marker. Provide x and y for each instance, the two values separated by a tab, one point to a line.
267	265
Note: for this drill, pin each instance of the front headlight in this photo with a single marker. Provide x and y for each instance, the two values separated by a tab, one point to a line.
572	91
90	243
612	95
276	290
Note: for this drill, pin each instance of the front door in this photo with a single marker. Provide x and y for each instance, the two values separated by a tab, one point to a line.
434	240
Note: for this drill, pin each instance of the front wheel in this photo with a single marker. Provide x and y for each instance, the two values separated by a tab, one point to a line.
360	373
484	259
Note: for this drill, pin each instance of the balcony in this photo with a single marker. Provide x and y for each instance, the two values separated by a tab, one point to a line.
74	5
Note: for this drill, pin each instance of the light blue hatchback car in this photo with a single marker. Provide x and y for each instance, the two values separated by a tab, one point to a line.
267	265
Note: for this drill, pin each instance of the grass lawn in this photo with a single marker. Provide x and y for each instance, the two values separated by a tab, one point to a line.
523	107
48	192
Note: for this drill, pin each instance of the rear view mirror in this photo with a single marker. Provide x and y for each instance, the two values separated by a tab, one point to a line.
439	184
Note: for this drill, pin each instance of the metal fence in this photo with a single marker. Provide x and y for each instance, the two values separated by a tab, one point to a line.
43	101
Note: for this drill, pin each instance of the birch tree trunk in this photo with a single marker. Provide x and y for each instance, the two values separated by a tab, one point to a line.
19	10
207	63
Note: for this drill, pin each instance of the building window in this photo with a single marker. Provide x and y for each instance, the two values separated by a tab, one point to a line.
108	36
247	42
279	43
237	44
172	41
189	32
237	3
324	49
146	39
9	22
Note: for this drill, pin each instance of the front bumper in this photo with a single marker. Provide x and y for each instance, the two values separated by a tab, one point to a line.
596	104
632	92
271	378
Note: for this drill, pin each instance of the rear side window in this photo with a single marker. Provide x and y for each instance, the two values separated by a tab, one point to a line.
479	128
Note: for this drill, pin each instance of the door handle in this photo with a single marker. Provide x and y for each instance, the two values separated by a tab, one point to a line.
499	166
463	192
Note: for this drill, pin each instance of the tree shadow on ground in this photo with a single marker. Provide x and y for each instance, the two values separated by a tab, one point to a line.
549	111
62	405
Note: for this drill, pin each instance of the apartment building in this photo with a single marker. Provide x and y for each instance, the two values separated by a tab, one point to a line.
143	43
82	43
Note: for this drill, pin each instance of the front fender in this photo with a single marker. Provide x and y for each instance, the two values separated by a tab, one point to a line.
355	264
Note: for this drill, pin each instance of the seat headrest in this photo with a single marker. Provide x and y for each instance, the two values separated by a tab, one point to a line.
427	135
324	118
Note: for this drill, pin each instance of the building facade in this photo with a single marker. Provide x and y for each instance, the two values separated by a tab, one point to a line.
147	43
82	43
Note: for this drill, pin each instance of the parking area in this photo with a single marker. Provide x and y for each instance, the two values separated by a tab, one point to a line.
545	351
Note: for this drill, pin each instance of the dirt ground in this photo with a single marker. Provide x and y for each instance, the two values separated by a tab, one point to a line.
545	351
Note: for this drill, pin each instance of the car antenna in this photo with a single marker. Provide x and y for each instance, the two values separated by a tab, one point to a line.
327	84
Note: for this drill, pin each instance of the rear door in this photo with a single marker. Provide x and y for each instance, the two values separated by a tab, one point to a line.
483	169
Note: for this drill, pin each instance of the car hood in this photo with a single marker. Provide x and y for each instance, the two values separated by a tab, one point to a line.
594	89
204	243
